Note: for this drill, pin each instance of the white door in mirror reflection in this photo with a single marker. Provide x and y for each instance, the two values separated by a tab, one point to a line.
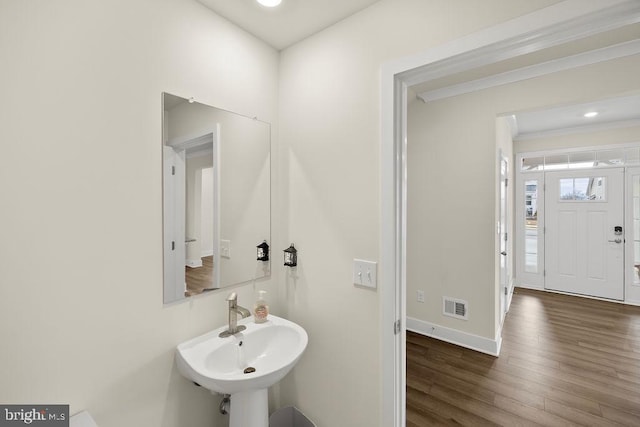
190	192
174	222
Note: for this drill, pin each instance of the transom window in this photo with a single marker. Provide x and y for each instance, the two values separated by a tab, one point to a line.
581	160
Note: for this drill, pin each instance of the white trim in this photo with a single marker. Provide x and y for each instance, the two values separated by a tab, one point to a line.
528	286
194	263
454	336
555	151
561	22
553	291
631	289
561	64
620	124
509	298
392	302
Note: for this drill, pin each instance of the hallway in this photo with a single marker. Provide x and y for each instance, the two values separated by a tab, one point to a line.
565	360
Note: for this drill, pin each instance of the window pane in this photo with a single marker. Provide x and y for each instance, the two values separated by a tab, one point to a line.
581	160
560	161
632	155
532	163
586	188
566	189
531	226
610	158
596	188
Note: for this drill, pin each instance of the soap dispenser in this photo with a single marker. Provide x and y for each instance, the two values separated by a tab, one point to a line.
261	309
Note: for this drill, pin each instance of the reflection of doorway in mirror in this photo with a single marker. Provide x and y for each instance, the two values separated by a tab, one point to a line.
200	277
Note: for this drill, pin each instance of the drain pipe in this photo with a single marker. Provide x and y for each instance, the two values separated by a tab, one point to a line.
224	404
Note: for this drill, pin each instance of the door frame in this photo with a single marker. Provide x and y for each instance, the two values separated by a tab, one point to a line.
567	20
182	144
504	229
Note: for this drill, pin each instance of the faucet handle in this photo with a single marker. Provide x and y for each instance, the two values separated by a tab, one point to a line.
233	297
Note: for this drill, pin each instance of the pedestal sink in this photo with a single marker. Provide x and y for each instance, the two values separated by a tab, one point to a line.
244	365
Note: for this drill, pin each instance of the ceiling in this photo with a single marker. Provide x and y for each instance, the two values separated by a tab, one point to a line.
613	112
288	23
295	20
619	111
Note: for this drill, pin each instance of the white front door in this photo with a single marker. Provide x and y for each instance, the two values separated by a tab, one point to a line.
584	251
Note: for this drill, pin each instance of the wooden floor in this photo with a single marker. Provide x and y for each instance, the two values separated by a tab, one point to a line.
564	361
200	279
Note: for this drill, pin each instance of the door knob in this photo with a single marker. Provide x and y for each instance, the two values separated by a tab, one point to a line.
615	241
503	253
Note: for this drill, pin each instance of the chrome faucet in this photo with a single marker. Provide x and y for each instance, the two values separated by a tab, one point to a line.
234	310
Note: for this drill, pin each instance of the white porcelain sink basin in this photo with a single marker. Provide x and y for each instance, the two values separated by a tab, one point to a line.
253	359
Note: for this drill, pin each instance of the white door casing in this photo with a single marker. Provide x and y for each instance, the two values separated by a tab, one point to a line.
632	233
584	255
174	222
503	235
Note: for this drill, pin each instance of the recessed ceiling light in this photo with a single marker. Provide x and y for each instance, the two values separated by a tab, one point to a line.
269	3
591	114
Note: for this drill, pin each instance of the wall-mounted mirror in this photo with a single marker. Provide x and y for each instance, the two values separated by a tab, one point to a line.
216	197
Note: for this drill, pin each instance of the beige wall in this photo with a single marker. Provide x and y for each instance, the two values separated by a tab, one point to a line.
451	237
591	139
329	163
81	314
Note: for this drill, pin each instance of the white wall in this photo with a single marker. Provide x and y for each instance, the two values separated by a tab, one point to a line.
194	205
329	163
81	314
451	237
206	226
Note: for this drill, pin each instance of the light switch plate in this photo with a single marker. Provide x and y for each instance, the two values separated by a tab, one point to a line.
225	248
364	273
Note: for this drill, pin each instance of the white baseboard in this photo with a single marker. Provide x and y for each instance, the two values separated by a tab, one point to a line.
194	263
510	294
526	286
454	336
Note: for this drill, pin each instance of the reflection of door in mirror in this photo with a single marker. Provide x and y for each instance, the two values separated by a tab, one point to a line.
189	218
173	208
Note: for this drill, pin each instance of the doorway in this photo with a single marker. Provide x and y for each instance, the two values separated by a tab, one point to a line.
545	28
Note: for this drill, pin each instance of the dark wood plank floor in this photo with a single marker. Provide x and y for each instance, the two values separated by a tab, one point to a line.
565	360
200	278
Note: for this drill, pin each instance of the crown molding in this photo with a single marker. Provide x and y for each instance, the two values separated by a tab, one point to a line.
561	64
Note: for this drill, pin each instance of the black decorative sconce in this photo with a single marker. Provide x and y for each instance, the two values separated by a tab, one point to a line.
291	256
263	251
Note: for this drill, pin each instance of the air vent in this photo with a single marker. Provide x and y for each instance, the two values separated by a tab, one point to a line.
455	308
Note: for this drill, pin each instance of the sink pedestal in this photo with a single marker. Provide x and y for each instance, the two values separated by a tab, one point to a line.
249	408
